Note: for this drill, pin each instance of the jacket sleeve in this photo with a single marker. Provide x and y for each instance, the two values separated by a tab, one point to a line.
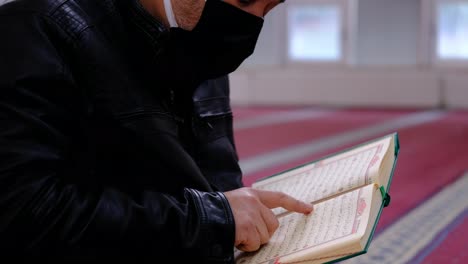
42	211
216	152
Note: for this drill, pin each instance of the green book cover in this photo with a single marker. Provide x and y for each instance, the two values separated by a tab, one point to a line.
383	189
385	202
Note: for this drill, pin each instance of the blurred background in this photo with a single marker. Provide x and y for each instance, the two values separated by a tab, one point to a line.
330	74
379	53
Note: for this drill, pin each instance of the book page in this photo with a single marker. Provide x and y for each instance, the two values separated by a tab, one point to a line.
335	224
331	176
385	170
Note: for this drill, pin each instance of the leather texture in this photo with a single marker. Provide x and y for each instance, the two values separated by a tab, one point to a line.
100	156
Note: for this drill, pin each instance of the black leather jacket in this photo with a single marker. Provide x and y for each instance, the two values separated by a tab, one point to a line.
100	155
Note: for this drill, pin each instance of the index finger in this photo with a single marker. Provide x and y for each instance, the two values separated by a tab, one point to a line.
278	199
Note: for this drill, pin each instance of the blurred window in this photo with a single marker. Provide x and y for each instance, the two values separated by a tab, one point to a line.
314	32
452	30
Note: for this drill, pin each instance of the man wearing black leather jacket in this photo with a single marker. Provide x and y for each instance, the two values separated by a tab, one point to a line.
113	143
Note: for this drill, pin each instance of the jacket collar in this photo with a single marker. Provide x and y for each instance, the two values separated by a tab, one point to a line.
152	29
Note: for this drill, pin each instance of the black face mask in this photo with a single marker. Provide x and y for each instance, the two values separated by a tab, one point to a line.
223	38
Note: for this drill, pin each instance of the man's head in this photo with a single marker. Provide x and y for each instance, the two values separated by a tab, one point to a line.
187	12
209	39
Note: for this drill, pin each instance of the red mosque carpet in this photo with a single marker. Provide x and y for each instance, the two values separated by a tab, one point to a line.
433	155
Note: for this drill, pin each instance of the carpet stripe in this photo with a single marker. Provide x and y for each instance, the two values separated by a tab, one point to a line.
280	118
270	138
402	241
440	238
454	249
285	155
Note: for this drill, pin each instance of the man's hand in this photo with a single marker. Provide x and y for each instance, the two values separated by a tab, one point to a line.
255	222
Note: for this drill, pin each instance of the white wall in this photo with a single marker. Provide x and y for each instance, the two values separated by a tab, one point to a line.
393	88
388	32
380	88
270	45
454	90
390	65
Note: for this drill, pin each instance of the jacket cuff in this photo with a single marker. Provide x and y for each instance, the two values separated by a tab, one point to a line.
215	240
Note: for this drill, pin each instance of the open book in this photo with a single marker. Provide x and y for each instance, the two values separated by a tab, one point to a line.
348	189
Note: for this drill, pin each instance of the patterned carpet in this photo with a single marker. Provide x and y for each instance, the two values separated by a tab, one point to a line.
426	221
